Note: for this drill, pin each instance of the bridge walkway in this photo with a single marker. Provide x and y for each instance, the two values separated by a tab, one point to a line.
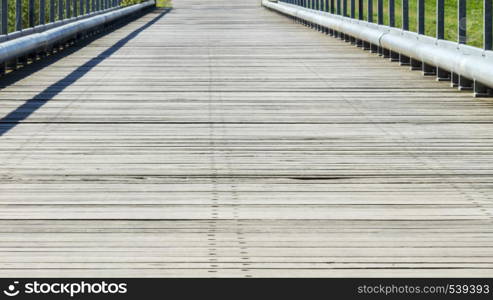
222	139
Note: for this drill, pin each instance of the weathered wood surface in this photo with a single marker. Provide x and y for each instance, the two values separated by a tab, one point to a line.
222	139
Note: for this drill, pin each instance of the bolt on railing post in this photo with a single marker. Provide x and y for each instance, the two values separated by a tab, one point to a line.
392	13
380	11
18	15
42	15
421	16
369	16
462	21
5	15
440	19
488	26
352	9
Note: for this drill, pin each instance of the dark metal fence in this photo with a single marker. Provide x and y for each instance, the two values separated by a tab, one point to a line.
17	15
439	16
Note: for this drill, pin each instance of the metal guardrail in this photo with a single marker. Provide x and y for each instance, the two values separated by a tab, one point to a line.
467	67
19	48
18	15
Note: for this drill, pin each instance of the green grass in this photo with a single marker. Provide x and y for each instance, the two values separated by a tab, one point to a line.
474	18
163	3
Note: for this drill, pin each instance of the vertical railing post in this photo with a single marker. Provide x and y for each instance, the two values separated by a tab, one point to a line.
380	11
488	25
369	16
332	7
442	75
394	56
421	16
480	90
392	13
405	14
42	14
428	70
52	11
60	9
67	8
344	8
76	10
5	17
360	9
462	21
352	9
440	10
18	15
338	11
404	60
81	7
31	22
4	23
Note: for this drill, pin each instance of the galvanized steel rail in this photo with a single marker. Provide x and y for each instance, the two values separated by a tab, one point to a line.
41	12
467	67
78	22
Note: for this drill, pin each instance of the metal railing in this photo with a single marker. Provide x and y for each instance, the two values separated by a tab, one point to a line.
18	15
71	21
430	17
356	21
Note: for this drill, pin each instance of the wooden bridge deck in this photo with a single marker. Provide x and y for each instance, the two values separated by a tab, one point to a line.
222	139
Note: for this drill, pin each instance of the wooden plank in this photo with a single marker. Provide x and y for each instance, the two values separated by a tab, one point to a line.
223	139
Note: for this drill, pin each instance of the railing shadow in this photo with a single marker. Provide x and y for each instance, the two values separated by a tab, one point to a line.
32	105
